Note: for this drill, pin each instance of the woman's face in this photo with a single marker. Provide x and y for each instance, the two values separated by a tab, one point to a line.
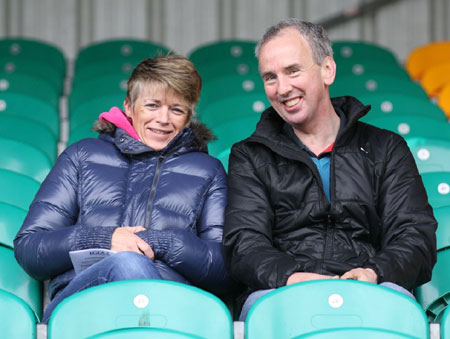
158	115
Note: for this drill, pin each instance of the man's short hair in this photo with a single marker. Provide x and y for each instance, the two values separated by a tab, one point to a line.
313	33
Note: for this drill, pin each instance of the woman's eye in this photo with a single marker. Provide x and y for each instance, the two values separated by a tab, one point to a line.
151	106
178	111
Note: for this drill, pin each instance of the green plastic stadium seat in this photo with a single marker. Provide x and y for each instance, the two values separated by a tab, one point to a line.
97	87
431	155
105	67
395	103
35	49
230	132
362	50
34	67
434	296
374	83
118	49
29	132
81	132
30	108
412	126
144	333
17	189
442	215
364	67
437	185
221	67
16	281
31	86
223	49
153	303
357	333
233	107
18	320
11	219
304	308
226	86
89	111
24	158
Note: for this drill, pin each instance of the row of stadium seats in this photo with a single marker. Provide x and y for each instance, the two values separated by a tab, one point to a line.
230	105
162	309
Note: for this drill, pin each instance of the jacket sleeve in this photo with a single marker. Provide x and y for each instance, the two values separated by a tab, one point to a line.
408	243
198	257
251	257
50	229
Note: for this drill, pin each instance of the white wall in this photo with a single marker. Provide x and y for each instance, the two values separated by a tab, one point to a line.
184	24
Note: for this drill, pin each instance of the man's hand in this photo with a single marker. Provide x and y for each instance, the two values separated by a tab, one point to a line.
305	276
361	274
125	239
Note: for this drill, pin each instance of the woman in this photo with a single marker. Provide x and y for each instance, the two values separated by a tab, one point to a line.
146	188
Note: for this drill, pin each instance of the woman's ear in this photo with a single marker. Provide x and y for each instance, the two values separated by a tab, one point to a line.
127	107
328	70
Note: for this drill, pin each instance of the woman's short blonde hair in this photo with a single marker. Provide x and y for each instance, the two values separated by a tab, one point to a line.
173	72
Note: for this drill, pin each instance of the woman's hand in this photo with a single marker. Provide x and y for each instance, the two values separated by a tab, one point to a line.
125	239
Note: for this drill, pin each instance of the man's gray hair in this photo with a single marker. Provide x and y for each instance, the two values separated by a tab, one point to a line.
314	34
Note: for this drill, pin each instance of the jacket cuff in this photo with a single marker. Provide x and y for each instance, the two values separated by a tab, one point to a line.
159	241
93	237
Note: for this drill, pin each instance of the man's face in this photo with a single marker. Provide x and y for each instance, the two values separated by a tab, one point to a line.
294	84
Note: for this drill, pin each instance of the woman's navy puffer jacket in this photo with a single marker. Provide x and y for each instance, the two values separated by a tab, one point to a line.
97	185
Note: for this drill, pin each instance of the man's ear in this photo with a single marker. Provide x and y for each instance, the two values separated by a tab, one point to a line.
328	70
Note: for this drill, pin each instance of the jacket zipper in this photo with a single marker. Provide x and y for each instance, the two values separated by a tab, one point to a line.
153	191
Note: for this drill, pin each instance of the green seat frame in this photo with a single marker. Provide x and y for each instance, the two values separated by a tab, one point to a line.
18	320
157	304
16	281
304	308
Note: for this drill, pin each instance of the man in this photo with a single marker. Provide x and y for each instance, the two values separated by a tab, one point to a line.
313	192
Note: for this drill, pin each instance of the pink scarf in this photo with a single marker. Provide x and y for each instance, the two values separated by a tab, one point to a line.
117	117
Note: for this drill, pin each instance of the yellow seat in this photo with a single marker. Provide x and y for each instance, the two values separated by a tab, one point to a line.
435	78
426	56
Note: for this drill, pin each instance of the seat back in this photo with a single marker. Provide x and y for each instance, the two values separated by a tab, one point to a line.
388	103
224	49
431	155
435	78
29	132
374	83
233	107
362	50
434	296
23	158
229	85
366	66
442	215
36	49
122	49
445	324
304	308
17	189
426	56
18	321
16	281
412	126
437	185
150	303
30	108
11	219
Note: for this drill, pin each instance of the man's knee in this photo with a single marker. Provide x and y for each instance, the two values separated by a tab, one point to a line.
130	265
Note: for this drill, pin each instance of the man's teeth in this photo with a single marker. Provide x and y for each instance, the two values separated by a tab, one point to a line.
292	102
